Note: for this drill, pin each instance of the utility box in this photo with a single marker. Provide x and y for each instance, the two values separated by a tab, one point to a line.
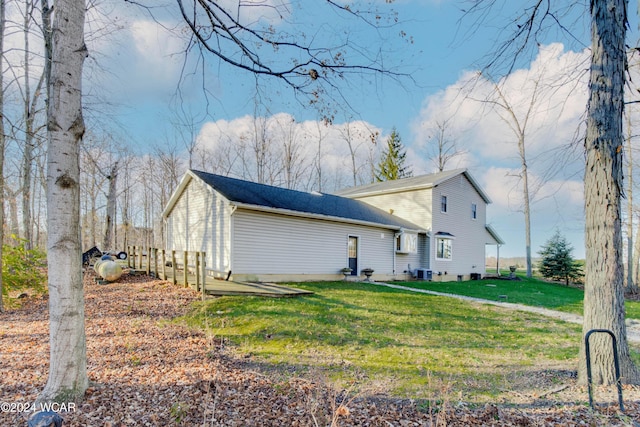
424	274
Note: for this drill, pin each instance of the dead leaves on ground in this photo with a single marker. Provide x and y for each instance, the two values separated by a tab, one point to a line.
146	371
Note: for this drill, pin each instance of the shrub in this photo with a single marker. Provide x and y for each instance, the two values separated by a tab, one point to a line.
557	262
23	269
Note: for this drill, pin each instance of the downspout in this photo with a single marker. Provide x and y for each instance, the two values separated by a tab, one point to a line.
232	245
394	243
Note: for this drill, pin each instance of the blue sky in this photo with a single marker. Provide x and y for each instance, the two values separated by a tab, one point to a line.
140	63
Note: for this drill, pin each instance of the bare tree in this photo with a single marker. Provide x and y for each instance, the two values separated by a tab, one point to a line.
110	219
2	141
603	183
186	126
317	162
216	31
347	136
443	147
67	378
603	186
294	165
223	31
30	131
632	252
518	126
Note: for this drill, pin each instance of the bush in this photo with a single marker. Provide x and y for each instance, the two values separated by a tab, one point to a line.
557	262
23	269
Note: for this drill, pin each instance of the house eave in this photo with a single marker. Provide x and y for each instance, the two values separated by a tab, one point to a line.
176	194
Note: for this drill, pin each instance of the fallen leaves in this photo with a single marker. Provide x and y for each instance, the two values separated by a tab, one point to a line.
147	371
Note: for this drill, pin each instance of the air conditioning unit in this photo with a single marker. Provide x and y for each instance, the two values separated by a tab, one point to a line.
406	243
423	274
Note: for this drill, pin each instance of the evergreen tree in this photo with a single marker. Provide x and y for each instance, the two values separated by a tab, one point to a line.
392	162
557	262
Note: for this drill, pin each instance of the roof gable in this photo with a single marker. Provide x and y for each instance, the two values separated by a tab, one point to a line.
249	194
412	183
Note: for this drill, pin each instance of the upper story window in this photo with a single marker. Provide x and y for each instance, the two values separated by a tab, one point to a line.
474	211
443	204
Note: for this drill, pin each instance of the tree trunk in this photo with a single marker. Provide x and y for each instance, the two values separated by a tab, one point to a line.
2	142
632	286
12	200
67	379
107	242
527	207
604	272
636	259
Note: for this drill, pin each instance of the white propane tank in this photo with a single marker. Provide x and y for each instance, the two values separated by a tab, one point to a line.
108	269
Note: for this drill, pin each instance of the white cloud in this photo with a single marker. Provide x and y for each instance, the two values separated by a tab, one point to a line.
229	137
486	136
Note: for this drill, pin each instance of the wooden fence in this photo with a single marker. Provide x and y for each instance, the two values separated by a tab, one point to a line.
185	267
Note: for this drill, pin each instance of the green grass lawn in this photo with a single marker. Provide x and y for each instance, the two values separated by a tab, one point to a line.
408	344
527	291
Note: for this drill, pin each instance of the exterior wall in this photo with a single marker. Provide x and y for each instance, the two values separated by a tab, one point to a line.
422	207
468	246
415	206
200	221
269	246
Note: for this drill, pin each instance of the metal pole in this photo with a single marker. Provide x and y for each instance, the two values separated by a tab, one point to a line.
616	364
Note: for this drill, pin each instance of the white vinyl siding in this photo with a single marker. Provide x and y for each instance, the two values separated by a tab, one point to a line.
200	221
468	245
414	206
266	243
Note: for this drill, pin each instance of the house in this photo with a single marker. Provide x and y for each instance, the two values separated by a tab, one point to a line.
257	232
451	206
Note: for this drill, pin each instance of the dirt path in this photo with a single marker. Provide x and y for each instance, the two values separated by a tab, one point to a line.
633	326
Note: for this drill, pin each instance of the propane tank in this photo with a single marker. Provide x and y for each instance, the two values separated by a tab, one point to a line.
108	269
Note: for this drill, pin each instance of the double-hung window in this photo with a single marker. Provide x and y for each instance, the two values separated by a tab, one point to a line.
443	204
474	211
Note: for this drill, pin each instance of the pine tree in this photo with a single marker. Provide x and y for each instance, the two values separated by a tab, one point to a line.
392	162
557	262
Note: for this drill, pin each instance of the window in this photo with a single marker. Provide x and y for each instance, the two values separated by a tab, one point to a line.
443	248
474	211
443	204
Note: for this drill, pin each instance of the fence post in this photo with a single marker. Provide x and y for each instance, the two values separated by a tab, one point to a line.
140	256
197	271
129	256
185	268
203	265
148	261
155	263
173	266
164	264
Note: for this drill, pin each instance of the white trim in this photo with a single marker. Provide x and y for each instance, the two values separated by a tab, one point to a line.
450	240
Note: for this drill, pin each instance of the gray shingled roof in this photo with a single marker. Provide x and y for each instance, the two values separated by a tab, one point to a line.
261	195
